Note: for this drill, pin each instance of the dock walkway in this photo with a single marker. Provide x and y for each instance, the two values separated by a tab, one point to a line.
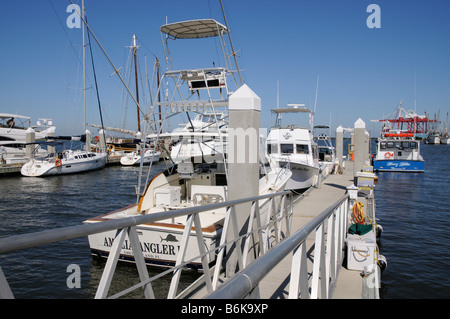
349	283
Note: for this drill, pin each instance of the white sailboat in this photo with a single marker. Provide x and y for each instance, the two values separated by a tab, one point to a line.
294	147
193	180
66	162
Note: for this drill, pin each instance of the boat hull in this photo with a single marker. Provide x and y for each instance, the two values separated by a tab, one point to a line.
135	159
160	244
303	176
398	166
36	168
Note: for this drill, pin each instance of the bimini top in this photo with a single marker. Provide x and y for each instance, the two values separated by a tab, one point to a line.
8	115
294	108
194	29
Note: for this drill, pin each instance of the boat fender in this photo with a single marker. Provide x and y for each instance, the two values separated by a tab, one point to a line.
382	262
379	230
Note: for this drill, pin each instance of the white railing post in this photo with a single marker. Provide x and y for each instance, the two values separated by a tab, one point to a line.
299	274
108	272
180	257
140	261
319	263
203	253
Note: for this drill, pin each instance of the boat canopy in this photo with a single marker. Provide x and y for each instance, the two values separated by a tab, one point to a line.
194	29
7	115
292	110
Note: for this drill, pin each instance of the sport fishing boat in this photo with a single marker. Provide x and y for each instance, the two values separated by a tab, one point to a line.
294	147
398	152
199	139
326	150
192	180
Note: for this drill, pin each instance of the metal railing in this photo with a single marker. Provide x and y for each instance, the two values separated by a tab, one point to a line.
330	229
261	235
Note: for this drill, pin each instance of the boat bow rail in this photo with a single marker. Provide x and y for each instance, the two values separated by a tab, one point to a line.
268	232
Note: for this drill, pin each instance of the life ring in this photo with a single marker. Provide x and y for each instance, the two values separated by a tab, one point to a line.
58	162
388	155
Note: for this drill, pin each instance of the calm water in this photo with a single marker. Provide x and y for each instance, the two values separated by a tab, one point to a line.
412	208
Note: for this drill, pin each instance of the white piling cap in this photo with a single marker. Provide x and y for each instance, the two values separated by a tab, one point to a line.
245	99
360	124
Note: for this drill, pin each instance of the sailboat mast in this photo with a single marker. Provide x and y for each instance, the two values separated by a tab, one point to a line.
84	65
134	46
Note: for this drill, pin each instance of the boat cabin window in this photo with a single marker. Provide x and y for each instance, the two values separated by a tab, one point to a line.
413	145
390	145
287	148
405	144
302	149
272	148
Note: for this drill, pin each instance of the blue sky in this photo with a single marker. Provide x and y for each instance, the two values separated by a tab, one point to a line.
364	73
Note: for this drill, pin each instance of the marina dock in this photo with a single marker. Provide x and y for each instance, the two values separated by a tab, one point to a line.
308	206
349	284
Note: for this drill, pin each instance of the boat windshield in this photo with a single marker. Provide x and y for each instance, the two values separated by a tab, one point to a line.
402	145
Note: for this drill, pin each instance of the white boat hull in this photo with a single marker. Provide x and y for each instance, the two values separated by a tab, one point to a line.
49	166
303	176
134	158
160	241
